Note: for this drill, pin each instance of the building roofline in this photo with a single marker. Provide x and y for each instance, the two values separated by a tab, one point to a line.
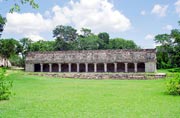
79	51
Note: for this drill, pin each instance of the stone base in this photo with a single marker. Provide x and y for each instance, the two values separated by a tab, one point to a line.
119	76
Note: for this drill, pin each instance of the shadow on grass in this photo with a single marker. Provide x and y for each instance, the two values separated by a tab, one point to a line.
174	70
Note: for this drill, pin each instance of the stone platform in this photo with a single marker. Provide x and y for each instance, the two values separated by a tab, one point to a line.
117	76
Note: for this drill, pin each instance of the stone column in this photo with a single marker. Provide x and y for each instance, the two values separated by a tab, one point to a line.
95	67
86	65
59	67
69	67
126	67
50	67
77	67
115	67
135	67
105	67
41	67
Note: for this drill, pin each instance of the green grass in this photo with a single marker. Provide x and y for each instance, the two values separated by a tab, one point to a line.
43	97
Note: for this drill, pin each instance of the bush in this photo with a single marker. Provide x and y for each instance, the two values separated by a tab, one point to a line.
16	60
173	85
5	85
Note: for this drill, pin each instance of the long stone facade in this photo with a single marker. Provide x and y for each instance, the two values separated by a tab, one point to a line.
143	60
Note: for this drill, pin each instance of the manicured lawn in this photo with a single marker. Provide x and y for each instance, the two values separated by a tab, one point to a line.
43	97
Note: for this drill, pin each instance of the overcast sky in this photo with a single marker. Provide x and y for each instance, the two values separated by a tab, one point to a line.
137	20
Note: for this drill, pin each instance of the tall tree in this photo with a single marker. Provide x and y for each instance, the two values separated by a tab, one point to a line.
9	47
66	33
86	32
168	51
104	36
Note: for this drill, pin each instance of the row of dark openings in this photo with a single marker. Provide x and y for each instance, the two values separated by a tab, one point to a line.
82	68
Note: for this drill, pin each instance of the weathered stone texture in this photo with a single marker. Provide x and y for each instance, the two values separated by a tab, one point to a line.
119	76
143	60
93	56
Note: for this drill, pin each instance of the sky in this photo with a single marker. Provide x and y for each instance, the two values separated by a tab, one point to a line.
137	20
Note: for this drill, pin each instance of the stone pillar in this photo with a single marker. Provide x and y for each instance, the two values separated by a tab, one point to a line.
77	67
59	67
86	66
115	67
135	67
41	67
69	67
105	67
50	67
150	67
126	67
95	67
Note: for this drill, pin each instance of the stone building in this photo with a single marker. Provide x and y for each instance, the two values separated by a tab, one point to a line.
143	60
4	62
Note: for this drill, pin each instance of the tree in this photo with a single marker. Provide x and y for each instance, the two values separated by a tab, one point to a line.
66	33
88	43
42	46
85	32
2	23
104	36
9	47
60	44
26	44
168	51
119	43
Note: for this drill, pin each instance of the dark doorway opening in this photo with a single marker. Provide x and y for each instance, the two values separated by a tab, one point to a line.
64	67
110	67
100	67
37	68
55	68
73	67
45	67
82	67
140	67
90	67
120	67
130	67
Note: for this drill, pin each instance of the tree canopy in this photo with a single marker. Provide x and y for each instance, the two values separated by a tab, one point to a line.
168	51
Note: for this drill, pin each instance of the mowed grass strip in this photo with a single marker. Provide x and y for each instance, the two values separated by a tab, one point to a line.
44	97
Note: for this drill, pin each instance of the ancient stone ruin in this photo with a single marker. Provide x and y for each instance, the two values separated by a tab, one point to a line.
143	60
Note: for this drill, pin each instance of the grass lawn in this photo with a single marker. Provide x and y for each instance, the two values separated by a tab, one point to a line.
43	97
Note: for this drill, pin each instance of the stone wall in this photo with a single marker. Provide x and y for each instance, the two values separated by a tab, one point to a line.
4	62
92	56
118	76
143	60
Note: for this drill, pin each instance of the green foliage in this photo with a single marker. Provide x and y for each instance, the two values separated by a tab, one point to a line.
16	6
5	86
9	47
119	43
104	36
42	46
66	33
2	20
88	43
86	32
16	60
173	85
168	53
2	23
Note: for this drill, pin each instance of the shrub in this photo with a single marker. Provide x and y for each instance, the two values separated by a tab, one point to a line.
5	85
173	85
